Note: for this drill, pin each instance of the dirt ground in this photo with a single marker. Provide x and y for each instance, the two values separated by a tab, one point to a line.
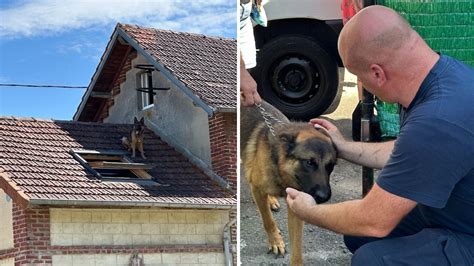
321	247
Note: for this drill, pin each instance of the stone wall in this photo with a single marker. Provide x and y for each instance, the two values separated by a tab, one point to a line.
72	227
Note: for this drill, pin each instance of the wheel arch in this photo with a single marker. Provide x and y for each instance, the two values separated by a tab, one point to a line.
325	33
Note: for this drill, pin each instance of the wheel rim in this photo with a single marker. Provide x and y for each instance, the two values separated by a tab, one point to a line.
295	79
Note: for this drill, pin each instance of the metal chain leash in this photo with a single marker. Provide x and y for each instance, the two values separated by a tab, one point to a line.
267	117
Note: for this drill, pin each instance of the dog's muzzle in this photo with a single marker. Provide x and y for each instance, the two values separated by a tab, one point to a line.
321	194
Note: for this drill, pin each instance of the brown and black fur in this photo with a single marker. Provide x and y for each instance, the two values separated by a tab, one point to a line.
136	139
299	156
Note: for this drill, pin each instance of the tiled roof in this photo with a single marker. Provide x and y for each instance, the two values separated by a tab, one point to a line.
206	65
35	161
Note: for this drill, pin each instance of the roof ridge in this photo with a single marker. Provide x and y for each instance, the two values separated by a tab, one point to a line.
50	120
121	25
25	118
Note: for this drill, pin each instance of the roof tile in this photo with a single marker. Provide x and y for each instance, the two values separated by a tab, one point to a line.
35	156
206	65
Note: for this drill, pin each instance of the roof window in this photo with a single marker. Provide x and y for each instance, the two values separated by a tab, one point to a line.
111	164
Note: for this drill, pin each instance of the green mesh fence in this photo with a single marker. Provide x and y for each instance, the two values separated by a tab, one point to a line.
389	119
446	25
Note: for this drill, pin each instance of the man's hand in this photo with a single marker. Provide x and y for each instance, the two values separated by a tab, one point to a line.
299	202
248	89
332	131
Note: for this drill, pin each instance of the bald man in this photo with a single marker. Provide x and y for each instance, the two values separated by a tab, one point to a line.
421	209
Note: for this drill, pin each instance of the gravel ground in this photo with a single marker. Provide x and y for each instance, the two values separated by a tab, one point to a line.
321	247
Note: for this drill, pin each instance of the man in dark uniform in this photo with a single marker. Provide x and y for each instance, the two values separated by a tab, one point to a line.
421	209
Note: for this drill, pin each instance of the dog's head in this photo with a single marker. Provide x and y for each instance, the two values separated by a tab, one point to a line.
307	157
138	126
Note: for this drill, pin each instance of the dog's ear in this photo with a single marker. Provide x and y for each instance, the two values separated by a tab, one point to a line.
135	120
326	133
142	121
288	140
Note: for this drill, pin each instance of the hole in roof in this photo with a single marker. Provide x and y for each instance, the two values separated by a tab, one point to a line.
114	166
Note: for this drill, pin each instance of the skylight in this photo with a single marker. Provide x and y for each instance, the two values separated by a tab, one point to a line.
111	164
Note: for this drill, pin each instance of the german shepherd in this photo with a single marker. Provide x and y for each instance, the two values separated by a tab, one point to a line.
136	140
298	156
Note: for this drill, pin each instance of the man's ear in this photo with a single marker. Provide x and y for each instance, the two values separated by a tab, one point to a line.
378	74
288	141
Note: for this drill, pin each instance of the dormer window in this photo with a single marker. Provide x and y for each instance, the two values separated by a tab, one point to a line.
146	92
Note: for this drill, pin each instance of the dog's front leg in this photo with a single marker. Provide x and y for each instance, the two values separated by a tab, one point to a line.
275	241
133	150
140	148
295	231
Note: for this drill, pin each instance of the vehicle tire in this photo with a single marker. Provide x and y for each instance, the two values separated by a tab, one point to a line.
296	75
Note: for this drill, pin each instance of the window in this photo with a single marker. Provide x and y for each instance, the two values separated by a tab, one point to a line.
146	89
111	165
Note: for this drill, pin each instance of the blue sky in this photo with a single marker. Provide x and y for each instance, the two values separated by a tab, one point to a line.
60	42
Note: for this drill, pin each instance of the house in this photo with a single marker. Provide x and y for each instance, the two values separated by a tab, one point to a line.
196	109
71	194
60	207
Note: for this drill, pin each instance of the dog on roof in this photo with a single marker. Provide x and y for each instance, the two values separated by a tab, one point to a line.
136	139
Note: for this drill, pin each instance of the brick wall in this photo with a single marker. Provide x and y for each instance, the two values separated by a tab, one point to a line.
223	136
119	79
31	235
65	236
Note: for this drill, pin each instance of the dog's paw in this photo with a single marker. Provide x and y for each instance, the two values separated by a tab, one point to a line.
274	204
143	156
276	244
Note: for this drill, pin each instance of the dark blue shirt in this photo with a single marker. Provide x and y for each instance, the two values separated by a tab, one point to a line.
433	159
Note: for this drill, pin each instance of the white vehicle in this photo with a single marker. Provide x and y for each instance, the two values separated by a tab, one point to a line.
297	58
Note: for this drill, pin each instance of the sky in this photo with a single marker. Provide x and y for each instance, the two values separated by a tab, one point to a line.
60	42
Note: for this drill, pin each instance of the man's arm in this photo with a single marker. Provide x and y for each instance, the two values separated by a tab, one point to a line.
248	87
374	155
376	215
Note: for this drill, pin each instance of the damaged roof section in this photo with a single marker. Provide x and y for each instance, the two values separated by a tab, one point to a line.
36	165
204	67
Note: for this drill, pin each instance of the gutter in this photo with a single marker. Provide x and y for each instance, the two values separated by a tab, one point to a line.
166	72
228	243
129	204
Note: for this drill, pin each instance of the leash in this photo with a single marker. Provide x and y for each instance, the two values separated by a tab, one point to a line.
267	117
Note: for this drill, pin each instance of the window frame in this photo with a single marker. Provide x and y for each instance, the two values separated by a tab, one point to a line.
147	98
118	160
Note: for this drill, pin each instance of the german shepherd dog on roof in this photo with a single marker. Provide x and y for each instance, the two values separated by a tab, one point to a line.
136	138
297	156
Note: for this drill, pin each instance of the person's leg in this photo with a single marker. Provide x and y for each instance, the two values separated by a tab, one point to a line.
411	224
428	247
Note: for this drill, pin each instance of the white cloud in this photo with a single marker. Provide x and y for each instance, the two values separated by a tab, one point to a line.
50	17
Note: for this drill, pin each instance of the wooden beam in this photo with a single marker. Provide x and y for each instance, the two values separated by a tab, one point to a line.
119	165
101	152
141	174
101	94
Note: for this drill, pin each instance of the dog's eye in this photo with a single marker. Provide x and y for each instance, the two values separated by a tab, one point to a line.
312	164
